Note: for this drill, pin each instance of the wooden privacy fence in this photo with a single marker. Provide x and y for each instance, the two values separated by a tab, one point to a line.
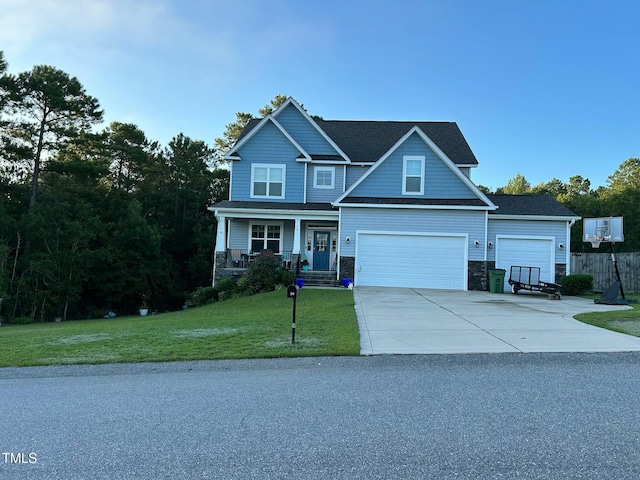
600	267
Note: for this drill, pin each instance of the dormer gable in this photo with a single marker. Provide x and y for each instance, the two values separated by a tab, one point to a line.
233	154
415	171
308	133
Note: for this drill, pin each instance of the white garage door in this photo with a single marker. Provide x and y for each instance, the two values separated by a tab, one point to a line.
526	252
417	261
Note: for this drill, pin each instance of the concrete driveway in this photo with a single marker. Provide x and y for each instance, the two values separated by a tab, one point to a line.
420	321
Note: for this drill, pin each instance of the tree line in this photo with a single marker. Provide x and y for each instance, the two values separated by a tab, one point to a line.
620	197
96	221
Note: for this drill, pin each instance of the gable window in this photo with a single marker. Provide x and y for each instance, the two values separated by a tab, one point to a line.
265	237
413	175
267	181
324	177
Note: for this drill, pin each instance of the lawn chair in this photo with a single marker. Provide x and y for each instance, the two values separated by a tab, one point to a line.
235	257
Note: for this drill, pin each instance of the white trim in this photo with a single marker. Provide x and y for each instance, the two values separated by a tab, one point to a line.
324	169
270	214
292	101
269	118
405	159
266	224
486	236
269	166
452	166
532	217
412	206
552	249
304	190
465	236
567	248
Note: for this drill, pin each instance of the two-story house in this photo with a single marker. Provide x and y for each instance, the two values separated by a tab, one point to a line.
382	202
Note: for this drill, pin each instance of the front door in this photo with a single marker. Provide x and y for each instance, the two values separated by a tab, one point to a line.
321	250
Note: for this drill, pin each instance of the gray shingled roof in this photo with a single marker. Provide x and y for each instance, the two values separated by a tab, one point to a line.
467	202
367	141
274	205
542	205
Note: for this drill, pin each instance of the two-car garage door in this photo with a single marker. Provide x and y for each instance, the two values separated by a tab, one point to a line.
406	260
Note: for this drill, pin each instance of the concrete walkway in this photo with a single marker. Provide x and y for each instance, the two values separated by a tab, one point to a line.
419	321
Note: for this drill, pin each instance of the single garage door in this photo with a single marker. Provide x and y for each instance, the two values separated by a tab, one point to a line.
416	261
527	252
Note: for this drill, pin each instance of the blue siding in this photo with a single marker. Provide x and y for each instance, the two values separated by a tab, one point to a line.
415	221
325	194
529	228
354	172
439	180
304	133
239	232
269	145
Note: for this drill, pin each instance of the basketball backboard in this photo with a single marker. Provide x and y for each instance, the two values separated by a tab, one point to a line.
604	229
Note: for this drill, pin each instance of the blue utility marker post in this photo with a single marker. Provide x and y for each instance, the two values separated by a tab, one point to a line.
292	292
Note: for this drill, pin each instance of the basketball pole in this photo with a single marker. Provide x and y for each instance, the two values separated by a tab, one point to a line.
615	266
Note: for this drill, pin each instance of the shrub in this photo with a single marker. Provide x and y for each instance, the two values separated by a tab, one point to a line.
227	284
202	296
576	284
22	320
263	274
285	277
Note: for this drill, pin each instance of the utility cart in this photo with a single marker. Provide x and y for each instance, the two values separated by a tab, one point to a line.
528	278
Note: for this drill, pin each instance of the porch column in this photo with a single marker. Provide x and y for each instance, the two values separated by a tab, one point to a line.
220	254
296	237
221	236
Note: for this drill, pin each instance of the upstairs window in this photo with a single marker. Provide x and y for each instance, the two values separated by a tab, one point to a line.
324	177
267	181
413	175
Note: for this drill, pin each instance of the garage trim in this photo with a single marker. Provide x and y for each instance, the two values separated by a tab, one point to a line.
463	236
552	252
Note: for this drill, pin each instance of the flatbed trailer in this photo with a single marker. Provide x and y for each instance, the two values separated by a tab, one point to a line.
528	278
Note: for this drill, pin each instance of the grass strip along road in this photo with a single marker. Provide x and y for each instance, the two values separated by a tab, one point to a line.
249	327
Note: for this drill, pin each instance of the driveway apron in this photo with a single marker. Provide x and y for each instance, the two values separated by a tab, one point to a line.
421	321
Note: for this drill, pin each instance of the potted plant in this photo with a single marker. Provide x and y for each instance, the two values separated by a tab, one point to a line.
144	306
305	264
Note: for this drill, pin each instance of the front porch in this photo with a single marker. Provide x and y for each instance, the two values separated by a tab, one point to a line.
303	240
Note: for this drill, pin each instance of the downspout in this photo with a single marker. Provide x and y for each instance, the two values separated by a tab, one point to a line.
570	224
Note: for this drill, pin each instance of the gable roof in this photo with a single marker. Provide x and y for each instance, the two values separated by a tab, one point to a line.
368	141
529	205
242	139
486	203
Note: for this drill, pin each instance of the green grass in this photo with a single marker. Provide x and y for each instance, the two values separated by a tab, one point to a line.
250	327
623	320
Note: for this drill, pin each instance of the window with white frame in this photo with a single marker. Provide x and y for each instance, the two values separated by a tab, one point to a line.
267	181
324	177
413	175
265	237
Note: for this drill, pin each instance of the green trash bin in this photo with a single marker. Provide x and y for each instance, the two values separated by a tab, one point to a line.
496	280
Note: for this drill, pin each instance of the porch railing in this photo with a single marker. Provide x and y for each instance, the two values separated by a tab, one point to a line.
238	258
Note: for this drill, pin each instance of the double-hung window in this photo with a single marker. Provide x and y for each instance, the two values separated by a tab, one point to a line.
323	177
413	175
265	237
267	181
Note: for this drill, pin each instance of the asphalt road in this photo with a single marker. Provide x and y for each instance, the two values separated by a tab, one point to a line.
529	416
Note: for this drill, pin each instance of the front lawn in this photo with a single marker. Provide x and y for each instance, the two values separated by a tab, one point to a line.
623	320
250	327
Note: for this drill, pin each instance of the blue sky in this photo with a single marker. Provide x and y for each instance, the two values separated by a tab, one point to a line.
545	88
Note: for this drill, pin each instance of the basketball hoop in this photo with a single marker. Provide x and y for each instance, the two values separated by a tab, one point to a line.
595	240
